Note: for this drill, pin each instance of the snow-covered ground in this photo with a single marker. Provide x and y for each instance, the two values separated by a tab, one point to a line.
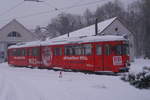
138	65
36	84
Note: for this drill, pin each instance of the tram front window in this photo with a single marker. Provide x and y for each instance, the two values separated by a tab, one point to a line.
125	48
121	49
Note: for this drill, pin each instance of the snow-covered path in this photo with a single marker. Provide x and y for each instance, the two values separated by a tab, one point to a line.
36	84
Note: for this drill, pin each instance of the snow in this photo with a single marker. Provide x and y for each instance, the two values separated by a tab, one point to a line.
58	41
26	44
42	84
90	30
82	39
139	64
86	34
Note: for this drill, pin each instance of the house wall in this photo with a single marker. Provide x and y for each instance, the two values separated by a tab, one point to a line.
26	36
3	51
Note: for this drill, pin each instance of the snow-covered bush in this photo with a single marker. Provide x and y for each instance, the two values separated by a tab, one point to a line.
139	80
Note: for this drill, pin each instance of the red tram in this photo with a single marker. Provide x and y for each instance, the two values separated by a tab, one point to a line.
93	53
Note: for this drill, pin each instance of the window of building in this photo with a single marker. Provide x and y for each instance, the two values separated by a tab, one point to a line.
98	50
57	51
116	29
14	34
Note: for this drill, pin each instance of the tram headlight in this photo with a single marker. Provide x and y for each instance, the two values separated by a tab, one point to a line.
127	63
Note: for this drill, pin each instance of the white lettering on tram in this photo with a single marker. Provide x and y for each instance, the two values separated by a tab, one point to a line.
75	58
19	58
34	61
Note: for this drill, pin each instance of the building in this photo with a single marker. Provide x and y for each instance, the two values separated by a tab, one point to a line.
111	26
12	33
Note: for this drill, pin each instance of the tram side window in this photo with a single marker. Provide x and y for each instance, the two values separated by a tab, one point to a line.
68	50
13	52
35	52
78	50
18	52
74	50
57	51
118	50
29	52
23	52
107	50
98	50
87	48
125	48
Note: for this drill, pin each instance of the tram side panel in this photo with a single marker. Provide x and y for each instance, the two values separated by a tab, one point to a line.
34	56
18	57
98	56
46	56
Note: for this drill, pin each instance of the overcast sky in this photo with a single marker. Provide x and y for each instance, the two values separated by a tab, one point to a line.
31	14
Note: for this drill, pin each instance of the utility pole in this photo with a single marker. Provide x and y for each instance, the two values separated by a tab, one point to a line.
96	26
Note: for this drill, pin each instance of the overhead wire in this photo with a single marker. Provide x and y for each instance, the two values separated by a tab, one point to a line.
76	3
80	5
62	9
48	4
56	8
12	8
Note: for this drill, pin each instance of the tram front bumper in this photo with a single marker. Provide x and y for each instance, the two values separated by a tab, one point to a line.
125	69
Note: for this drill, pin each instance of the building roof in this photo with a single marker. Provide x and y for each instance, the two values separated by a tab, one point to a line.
90	30
14	21
70	40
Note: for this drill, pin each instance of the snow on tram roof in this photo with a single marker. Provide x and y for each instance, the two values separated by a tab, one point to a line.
26	44
57	41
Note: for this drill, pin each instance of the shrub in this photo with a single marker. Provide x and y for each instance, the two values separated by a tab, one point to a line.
140	80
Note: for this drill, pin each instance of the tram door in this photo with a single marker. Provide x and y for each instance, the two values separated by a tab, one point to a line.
107	58
99	62
34	57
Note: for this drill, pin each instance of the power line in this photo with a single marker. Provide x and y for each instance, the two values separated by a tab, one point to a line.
29	15
80	5
58	9
76	3
48	4
12	8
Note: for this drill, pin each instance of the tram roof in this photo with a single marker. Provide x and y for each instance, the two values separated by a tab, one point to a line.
70	40
83	39
26	44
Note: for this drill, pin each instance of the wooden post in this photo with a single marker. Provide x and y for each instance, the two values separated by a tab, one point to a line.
96	26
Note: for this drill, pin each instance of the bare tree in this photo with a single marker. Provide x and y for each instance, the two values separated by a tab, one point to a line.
146	13
89	17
